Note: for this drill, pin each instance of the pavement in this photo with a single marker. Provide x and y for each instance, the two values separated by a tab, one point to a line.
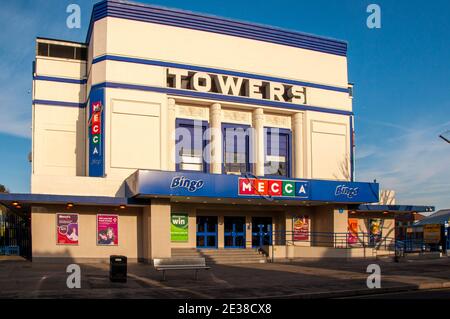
304	279
432	294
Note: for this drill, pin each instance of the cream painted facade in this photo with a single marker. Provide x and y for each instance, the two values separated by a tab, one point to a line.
129	60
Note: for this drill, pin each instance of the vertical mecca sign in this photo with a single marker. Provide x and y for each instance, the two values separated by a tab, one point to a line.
95	131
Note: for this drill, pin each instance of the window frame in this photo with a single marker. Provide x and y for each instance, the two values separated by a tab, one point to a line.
180	122
249	166
288	134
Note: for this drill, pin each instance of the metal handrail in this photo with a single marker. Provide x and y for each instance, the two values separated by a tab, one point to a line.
335	239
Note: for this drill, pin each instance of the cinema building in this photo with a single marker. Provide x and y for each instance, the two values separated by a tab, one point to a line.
168	130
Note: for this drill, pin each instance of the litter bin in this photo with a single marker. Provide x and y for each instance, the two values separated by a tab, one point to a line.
118	268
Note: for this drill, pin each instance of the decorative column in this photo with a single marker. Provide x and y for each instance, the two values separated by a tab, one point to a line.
160	244
215	122
258	141
171	117
298	145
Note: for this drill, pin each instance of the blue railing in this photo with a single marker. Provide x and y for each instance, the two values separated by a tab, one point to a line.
9	251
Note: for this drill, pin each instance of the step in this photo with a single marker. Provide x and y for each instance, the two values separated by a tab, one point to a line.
222	255
212	252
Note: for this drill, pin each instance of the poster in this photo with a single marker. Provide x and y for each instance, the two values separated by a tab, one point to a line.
352	230
375	230
179	226
432	233
67	229
107	229
301	228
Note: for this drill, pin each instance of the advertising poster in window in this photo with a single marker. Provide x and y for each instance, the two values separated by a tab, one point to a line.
107	230
179	227
301	228
67	229
375	230
352	230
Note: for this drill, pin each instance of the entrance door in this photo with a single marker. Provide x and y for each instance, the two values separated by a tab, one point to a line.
234	232
261	231
207	231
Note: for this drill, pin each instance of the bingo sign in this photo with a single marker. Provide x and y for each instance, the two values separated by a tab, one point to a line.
273	187
96	147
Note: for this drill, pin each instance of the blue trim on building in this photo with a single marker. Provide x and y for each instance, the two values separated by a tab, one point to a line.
7	198
59	103
59	79
209	23
218	71
220	97
201	95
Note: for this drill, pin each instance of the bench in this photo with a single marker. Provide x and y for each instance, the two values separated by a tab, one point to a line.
180	264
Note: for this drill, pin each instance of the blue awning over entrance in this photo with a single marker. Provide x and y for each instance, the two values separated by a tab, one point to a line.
149	183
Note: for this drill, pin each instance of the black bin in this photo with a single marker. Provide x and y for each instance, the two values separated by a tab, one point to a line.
118	268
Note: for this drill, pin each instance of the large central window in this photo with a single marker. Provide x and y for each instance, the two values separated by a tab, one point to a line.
190	142
236	139
277	152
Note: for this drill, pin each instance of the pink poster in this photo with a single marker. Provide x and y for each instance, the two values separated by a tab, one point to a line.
107	229
67	229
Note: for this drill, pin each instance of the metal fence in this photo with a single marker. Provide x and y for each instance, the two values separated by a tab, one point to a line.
333	239
357	240
15	233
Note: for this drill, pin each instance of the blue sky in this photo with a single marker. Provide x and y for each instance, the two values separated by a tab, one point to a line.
401	75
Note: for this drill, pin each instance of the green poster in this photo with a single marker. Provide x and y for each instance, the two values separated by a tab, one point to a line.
179	226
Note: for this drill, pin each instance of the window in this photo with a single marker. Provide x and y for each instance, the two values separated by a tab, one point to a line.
236	148
277	152
61	51
190	143
43	49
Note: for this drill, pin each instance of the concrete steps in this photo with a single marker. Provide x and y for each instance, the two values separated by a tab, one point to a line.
222	255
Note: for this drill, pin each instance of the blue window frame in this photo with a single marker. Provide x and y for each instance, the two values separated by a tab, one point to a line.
190	143
236	148
277	144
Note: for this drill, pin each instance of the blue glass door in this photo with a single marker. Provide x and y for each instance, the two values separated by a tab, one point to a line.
261	231
234	232
206	231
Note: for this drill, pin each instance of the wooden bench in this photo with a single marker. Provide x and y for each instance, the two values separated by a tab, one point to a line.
180	264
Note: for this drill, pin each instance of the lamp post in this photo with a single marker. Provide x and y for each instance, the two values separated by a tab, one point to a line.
445	136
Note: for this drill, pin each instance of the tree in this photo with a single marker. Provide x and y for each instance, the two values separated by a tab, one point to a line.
3	189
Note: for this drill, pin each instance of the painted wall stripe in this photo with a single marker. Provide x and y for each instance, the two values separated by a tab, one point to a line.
59	103
215	70
59	79
195	94
209	23
220	97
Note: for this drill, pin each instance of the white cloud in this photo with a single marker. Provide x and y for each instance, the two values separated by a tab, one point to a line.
415	164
